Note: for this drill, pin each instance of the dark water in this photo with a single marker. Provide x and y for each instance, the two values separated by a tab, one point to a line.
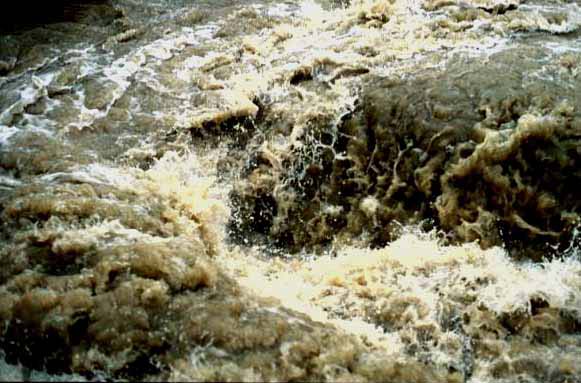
266	190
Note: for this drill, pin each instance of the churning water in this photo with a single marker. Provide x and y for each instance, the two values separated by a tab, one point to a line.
365	190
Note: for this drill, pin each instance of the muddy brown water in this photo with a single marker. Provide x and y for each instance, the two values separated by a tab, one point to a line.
372	190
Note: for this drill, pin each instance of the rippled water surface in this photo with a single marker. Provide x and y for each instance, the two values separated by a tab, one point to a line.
373	190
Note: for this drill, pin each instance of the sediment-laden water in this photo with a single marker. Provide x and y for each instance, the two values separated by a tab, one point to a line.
373	190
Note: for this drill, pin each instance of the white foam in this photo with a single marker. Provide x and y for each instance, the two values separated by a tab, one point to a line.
191	63
560	48
206	32
312	10
5	133
573	12
97	174
8	182
136	67
280	10
28	95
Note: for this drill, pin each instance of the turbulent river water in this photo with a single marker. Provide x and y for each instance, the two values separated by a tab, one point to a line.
365	190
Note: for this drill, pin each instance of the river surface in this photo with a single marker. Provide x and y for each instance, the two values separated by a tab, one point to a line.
365	190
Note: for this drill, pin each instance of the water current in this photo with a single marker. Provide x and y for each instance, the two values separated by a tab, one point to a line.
255	190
